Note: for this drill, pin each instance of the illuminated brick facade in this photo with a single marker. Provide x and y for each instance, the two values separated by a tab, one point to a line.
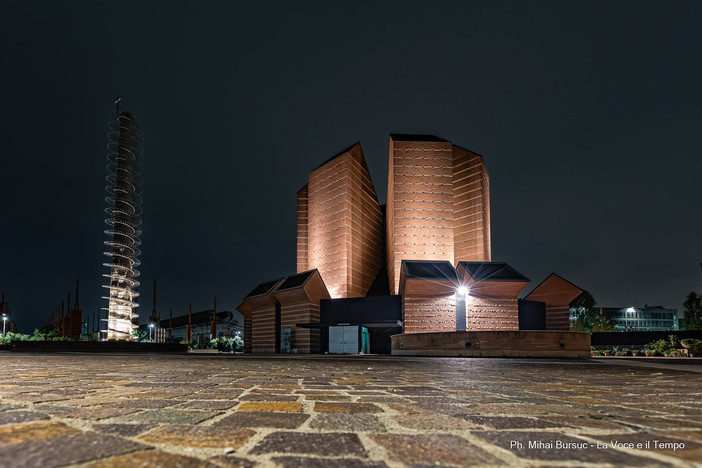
471	207
431	301
491	299
339	225
557	293
438	203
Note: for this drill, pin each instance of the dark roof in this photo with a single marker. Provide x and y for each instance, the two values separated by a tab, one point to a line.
429	269
492	271
263	288
344	151
416	137
199	318
295	281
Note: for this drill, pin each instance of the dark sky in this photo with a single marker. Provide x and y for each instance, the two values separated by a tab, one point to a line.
588	115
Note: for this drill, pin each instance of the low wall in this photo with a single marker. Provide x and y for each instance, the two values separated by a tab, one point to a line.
542	344
99	346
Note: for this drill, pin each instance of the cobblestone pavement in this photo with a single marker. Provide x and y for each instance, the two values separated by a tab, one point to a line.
235	411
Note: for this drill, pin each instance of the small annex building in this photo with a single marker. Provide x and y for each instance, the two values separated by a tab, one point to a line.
436	297
273	309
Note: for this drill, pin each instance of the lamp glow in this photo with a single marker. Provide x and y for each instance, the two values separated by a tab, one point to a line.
462	291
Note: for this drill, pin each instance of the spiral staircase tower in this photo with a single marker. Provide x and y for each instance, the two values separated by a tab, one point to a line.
124	210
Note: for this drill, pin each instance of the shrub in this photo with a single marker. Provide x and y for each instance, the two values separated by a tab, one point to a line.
694	346
660	347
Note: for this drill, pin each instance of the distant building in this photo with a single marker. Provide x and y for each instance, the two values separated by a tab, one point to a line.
229	324
647	318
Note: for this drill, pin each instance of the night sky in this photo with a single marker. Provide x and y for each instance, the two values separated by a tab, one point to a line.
588	115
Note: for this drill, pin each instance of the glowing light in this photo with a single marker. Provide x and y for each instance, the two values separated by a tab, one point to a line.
631	309
462	291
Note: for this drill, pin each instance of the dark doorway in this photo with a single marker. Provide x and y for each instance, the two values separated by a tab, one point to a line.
460	312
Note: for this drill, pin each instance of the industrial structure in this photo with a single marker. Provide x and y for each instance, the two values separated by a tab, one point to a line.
124	209
198	326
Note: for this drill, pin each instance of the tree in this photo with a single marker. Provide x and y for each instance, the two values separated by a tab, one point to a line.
140	335
693	312
588	318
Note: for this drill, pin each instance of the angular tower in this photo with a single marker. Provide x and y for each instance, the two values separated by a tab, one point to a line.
438	204
340	225
124	209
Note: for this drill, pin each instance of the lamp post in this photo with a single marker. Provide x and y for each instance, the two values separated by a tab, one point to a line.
4	321
151	327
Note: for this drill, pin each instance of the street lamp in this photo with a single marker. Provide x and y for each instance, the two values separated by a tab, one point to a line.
4	321
151	327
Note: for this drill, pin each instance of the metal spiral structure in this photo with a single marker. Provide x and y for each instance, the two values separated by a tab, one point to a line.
124	210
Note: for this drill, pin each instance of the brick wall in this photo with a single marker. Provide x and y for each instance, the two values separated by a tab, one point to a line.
344	225
471	207
494	344
419	214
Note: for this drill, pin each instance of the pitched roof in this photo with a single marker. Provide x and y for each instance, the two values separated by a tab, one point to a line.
492	271
429	270
263	288
295	281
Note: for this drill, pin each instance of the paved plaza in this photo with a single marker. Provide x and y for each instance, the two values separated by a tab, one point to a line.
306	411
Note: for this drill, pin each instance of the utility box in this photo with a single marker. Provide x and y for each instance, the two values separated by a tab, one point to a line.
348	339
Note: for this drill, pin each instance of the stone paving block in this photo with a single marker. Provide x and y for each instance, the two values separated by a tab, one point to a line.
501	422
165	416
97	413
13	417
199	436
433	449
124	430
145	403
337	398
151	458
208	404
39	398
689	435
264	419
271	406
657	422
15	434
434	420
347	422
231	462
65	450
327	444
262	397
581	424
6	407
223	395
307	462
321	407
544	452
